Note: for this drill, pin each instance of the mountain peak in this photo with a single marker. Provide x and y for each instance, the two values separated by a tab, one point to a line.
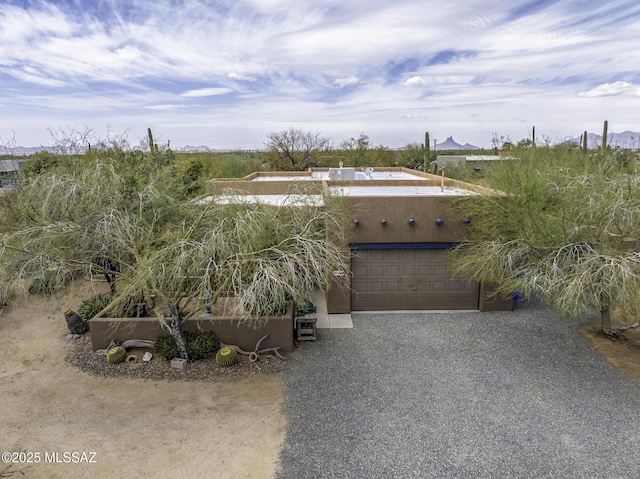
451	144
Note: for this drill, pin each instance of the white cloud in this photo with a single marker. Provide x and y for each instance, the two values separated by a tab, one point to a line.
343	82
162	107
239	76
612	89
206	92
287	58
416	81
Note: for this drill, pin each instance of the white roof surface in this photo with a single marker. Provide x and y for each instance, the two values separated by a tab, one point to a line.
324	175
399	191
286	178
276	200
317	200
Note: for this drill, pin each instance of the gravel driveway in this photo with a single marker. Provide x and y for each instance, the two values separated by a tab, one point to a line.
458	395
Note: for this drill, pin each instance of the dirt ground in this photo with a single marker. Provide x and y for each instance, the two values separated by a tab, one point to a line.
231	427
622	350
149	429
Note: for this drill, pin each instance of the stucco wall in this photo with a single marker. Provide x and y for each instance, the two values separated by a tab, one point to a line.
227	329
397	211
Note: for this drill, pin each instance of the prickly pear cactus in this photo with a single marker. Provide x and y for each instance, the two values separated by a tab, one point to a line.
226	357
116	355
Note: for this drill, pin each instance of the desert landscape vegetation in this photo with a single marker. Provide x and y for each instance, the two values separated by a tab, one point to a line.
107	225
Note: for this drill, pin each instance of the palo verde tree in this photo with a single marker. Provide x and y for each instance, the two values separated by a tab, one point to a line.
171	253
355	150
295	149
563	229
413	155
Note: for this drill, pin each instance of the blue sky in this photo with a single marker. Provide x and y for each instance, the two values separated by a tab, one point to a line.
227	73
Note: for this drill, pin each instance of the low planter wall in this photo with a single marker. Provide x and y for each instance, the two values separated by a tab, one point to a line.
228	329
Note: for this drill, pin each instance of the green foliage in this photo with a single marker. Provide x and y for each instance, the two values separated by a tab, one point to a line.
383	156
560	231
463	172
116	355
43	161
49	281
130	306
226	357
195	169
356	150
92	306
166	346
295	150
192	179
199	345
127	211
624	159
413	156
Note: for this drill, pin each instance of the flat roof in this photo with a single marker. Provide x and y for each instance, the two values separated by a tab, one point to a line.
324	175
271	187
317	200
399	190
287	178
274	200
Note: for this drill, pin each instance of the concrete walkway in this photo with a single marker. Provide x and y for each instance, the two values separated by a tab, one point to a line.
326	320
458	395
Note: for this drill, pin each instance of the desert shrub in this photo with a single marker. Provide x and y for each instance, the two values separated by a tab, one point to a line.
49	282
131	307
44	161
92	306
166	346
199	345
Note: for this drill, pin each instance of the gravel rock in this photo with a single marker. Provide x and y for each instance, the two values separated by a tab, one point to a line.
458	395
158	369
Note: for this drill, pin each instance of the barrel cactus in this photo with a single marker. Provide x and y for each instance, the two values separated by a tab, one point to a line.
116	355
226	357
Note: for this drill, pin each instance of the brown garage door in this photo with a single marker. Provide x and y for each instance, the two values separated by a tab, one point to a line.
388	279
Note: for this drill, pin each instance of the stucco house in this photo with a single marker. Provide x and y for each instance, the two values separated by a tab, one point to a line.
399	233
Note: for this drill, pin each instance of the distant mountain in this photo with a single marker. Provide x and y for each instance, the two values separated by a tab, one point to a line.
626	139
451	144
30	150
23	150
194	149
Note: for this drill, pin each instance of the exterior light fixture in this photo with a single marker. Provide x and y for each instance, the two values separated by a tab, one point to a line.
466	221
384	222
412	221
356	223
439	221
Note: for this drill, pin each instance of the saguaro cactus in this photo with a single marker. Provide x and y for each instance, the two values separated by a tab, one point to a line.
604	135
150	135
533	137
426	151
584	141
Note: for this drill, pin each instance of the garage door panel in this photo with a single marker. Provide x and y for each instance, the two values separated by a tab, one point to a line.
393	270
441	270
389	255
439	286
392	286
408	279
424	269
